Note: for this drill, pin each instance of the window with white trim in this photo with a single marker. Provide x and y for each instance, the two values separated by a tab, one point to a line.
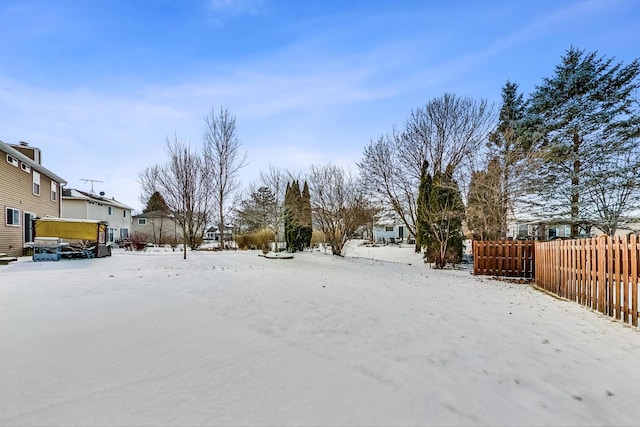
12	160
124	233
25	167
36	183
142	221
54	191
13	217
388	228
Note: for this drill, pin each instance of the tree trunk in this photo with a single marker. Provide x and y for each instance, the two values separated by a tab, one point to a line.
575	191
184	242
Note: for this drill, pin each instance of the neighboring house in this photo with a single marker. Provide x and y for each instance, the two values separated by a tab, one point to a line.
27	190
389	232
213	234
539	229
543	230
82	205
157	226
388	227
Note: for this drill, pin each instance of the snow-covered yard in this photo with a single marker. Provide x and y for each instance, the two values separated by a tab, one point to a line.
232	338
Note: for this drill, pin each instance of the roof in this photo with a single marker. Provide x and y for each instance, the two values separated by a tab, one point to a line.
72	220
34	165
71	194
153	214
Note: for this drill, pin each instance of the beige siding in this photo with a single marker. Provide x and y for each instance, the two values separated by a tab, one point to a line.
161	226
16	191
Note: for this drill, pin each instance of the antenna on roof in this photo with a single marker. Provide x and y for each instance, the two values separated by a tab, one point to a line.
91	181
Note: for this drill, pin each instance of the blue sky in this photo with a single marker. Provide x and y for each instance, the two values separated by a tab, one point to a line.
98	85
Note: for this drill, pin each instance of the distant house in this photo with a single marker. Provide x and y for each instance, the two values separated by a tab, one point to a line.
158	227
389	228
82	205
213	234
27	190
558	228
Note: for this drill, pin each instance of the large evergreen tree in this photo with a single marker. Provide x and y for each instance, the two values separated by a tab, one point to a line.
297	223
422	224
440	212
289	218
588	120
156	203
306	227
257	211
508	148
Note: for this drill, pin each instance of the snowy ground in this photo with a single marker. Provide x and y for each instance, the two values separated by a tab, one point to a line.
233	338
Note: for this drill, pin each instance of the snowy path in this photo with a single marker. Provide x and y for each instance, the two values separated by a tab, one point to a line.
236	339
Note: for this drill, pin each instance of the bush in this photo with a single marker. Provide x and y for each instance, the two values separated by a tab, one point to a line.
256	240
317	237
139	240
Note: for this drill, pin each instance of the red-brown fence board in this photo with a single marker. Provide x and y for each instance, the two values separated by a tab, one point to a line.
600	273
509	258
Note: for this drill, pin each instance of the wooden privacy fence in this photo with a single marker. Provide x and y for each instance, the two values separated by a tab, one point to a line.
600	273
511	258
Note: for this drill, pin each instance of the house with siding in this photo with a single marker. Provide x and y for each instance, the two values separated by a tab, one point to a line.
388	227
549	229
27	191
157	227
83	205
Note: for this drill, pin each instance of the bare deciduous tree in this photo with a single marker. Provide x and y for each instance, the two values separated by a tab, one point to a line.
276	180
182	183
338	203
613	193
223	160
447	132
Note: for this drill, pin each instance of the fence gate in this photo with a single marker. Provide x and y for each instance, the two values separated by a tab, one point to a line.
509	258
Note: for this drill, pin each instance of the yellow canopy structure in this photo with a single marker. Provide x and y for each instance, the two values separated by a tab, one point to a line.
68	228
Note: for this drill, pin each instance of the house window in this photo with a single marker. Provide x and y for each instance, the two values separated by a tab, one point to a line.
13	217
25	167
388	228
523	230
142	221
54	191
124	233
109	210
12	160
36	183
110	234
124	213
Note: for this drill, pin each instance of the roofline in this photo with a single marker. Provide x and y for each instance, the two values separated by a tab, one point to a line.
38	167
105	200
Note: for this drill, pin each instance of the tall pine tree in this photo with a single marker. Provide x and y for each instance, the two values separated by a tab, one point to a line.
510	149
306	227
588	120
440	216
298	226
156	203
